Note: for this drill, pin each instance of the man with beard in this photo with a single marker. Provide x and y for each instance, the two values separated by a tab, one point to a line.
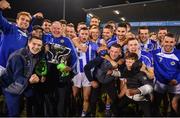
167	72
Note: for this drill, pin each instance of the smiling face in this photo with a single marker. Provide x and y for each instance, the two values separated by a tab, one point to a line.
107	34
129	62
143	35
168	44
46	26
70	32
161	34
114	52
35	45
94	21
95	33
56	29
23	22
133	46
121	33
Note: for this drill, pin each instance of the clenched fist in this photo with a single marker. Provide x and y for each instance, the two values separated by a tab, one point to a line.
34	79
4	5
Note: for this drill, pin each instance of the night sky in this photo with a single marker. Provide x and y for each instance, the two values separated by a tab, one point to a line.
53	9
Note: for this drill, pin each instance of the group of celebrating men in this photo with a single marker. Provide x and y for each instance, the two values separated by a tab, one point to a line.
63	72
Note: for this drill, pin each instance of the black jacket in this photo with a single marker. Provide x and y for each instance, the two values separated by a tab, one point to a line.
135	78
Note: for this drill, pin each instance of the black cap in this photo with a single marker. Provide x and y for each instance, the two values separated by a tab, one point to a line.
35	27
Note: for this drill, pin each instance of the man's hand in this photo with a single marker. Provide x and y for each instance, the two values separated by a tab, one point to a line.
113	63
131	92
173	82
109	72
4	5
34	79
143	68
83	48
120	61
67	69
123	88
94	84
38	15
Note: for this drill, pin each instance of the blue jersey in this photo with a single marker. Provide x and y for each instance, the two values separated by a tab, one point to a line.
146	58
1	36
13	39
149	46
113	38
85	57
64	41
166	65
114	41
124	47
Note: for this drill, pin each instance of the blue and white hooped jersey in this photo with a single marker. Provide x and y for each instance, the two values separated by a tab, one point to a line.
149	46
166	65
85	57
108	41
146	58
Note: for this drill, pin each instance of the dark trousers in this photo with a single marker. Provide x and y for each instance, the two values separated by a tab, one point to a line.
12	102
64	98
158	97
15	102
111	90
50	101
125	101
38	103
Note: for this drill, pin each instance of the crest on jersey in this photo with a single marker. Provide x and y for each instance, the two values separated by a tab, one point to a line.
173	63
62	41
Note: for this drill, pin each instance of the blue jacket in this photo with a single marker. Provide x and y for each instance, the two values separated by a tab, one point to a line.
20	67
14	39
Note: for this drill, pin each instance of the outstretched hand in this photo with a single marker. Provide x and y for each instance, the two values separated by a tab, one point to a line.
4	5
38	15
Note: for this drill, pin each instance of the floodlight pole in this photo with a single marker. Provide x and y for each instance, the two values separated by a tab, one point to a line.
64	9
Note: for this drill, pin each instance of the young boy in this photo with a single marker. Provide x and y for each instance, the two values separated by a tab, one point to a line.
134	85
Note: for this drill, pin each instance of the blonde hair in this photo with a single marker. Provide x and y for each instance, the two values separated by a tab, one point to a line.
25	14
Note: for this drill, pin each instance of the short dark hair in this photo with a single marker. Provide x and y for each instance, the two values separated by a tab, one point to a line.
47	20
111	21
131	39
109	27
94	27
142	28
96	17
62	21
170	35
122	25
35	27
163	28
34	37
132	56
84	28
116	45
70	24
81	23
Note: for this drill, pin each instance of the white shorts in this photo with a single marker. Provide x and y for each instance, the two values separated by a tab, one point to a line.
80	80
162	88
